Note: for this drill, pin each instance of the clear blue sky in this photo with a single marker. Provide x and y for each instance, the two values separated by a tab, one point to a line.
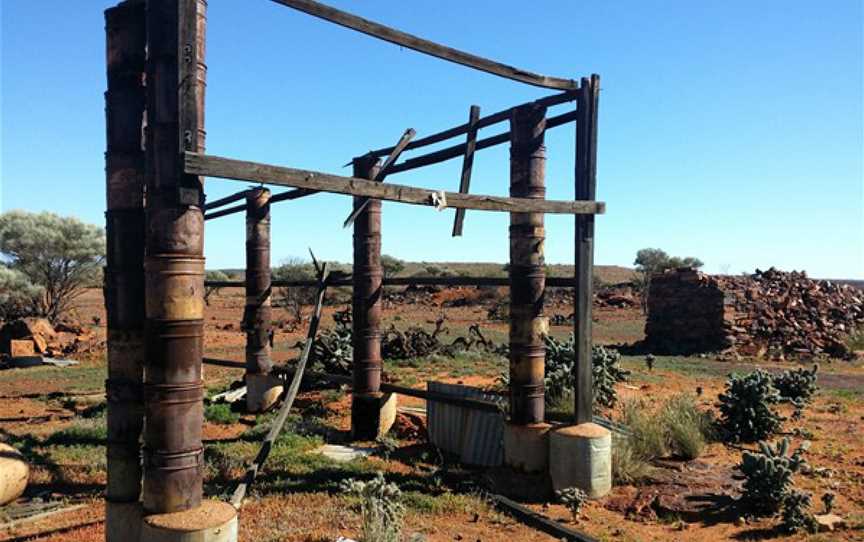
731	131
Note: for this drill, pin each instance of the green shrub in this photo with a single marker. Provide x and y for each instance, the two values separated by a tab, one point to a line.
746	407
381	509
768	474
220	413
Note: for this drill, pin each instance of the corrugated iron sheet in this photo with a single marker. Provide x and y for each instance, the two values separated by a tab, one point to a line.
477	437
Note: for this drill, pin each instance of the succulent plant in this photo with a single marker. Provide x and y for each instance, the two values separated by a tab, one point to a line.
768	473
796	513
746	412
797	386
573	498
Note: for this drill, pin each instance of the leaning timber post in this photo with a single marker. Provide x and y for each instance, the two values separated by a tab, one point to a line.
262	389
124	269
580	455
372	412
174	264
525	442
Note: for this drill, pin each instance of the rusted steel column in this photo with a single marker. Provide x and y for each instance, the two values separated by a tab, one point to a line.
366	308
527	273
174	263
257	312
586	183
124	270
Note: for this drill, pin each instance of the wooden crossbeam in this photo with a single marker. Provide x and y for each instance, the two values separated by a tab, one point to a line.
458	150
226	168
483	122
226	200
284	196
421	45
551	282
467	164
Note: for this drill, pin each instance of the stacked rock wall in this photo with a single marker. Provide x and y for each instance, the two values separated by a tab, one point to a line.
686	314
768	314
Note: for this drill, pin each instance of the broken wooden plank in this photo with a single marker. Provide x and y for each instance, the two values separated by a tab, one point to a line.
388	163
386	33
227	168
459	150
467	164
483	122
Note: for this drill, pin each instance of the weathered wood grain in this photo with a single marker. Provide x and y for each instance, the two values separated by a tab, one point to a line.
421	45
226	168
467	164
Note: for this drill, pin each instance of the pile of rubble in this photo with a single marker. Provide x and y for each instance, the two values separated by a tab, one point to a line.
29	337
771	313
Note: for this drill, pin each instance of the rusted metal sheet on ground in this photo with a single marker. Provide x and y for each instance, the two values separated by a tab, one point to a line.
476	436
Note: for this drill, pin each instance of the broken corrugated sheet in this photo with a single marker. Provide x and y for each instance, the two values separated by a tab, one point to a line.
477	437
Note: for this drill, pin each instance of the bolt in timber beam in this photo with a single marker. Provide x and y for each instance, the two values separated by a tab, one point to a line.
124	270
174	263
586	186
366	306
527	274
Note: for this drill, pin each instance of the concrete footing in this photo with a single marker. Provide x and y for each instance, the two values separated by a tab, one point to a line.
526	447
372	415
123	521
581	456
14	473
262	392
213	521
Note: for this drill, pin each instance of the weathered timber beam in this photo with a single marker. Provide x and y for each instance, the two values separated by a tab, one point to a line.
421	45
467	165
482	122
459	150
226	200
227	168
284	196
551	282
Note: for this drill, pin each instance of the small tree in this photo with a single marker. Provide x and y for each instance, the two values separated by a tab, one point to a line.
651	261
62	255
293	298
18	296
210	290
392	266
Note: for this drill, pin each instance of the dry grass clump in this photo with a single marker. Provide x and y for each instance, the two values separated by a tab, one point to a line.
677	428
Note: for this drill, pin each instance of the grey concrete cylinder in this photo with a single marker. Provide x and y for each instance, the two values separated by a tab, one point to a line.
581	456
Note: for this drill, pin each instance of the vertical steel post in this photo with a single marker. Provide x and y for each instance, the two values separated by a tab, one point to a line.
174	263
124	270
527	272
366	308
586	184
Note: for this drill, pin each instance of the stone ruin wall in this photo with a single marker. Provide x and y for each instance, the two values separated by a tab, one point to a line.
771	314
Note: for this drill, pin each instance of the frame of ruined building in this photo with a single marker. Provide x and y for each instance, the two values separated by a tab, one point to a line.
154	279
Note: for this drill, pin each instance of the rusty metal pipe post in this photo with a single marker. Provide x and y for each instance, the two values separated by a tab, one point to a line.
262	390
257	312
124	270
174	263
527	273
366	309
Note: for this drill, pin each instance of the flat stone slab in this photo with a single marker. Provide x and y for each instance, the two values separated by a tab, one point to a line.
343	454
